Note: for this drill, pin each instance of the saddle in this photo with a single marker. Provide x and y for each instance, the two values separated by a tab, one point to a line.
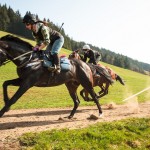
110	71
48	61
101	71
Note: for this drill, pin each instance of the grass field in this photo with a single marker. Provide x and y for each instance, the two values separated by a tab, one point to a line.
125	134
119	135
59	97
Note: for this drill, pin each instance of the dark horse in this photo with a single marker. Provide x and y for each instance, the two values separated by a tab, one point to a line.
3	57
104	80
31	73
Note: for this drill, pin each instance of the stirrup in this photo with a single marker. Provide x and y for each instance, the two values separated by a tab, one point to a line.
51	68
96	75
58	70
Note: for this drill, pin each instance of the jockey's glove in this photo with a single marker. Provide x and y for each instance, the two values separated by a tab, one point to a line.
35	48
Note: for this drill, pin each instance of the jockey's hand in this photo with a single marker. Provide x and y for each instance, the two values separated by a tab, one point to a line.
36	48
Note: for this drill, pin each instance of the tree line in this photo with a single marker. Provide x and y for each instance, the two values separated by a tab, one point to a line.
11	21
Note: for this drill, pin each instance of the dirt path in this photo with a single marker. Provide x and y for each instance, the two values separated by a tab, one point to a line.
16	122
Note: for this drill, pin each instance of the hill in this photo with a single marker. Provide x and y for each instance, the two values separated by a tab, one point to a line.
13	24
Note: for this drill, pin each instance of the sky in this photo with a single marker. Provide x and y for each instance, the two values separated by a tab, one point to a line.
121	26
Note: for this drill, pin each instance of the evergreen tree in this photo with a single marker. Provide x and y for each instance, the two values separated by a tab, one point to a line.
11	21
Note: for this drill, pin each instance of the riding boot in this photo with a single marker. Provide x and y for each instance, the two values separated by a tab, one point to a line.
57	63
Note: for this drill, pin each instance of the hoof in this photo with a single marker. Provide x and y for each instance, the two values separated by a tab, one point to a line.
70	117
1	114
101	115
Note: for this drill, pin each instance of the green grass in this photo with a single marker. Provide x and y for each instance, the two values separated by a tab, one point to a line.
59	97
126	134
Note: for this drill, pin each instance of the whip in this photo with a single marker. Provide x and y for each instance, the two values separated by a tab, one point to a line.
61	27
136	94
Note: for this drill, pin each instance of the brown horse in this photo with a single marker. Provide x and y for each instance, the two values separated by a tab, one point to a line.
103	80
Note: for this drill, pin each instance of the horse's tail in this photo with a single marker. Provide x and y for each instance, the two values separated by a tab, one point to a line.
118	78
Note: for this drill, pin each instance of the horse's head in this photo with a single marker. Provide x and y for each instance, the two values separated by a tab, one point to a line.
14	46
75	55
3	57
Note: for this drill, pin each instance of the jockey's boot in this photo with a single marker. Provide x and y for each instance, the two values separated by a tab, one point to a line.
57	63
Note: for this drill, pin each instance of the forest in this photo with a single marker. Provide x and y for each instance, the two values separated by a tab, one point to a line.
11	21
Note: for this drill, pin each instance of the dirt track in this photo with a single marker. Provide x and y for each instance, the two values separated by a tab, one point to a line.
16	122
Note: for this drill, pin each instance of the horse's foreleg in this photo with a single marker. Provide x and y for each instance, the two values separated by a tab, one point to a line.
14	82
72	88
85	95
82	93
22	89
24	85
104	90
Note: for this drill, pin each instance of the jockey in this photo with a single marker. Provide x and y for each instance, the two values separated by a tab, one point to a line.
45	37
94	56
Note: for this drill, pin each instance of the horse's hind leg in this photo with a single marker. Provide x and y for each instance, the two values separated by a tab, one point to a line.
94	97
88	87
72	88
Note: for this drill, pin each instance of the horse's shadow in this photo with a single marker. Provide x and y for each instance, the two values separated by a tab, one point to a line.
46	113
13	125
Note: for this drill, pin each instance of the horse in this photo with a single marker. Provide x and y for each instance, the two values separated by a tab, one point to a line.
3	57
103	80
31	72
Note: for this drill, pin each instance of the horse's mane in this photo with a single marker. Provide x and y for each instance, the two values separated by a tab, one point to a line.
16	40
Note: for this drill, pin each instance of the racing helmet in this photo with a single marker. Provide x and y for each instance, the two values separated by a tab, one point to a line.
31	19
86	47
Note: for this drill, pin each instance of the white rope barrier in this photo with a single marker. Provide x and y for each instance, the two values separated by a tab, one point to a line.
136	94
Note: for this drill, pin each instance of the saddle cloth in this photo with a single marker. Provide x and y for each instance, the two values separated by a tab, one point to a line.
64	63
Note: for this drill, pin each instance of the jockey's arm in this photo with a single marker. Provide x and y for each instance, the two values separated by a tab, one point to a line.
42	46
46	36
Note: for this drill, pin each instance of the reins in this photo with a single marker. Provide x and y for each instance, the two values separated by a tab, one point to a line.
23	55
7	61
